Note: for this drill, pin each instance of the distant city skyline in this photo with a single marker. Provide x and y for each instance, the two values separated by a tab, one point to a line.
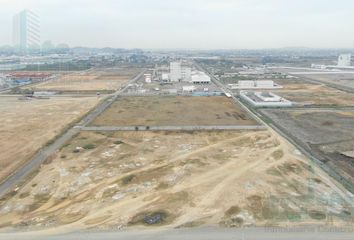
188	24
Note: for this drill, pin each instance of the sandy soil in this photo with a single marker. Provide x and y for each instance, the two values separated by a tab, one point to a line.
94	80
170	111
130	179
314	94
27	125
343	79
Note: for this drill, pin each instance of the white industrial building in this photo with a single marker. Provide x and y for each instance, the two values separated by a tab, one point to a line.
175	71
264	99
200	78
344	60
148	77
188	88
165	77
180	72
257	84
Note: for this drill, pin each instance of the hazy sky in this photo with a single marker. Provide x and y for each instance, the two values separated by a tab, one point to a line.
205	24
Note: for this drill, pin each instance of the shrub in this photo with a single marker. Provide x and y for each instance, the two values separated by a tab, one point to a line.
89	146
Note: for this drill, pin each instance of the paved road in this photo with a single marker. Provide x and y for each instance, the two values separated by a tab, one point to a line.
21	174
35	163
172	128
205	233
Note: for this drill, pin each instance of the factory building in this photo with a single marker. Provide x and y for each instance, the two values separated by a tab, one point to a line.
344	60
200	78
180	71
175	71
188	88
165	77
257	84
264	99
148	77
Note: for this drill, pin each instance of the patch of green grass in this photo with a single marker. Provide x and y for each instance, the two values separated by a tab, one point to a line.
233	211
89	146
314	214
128	179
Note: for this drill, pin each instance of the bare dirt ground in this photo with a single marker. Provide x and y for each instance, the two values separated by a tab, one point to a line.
93	80
305	93
343	79
27	125
328	134
175	179
172	110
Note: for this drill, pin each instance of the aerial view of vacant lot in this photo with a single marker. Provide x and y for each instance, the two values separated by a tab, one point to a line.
342	79
92	80
176	179
172	110
27	125
306	93
327	133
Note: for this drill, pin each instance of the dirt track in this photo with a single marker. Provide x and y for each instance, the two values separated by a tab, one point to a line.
111	180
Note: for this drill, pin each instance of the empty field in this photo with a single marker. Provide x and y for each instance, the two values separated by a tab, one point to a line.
93	80
28	125
341	79
174	179
327	134
174	111
306	93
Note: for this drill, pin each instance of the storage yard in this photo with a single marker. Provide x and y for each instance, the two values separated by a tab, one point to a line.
92	80
174	111
27	125
113	181
328	134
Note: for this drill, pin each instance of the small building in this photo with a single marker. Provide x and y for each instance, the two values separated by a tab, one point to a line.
188	88
148	77
344	60
165	77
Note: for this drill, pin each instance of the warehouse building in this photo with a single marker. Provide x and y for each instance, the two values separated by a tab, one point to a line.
254	84
264	99
200	78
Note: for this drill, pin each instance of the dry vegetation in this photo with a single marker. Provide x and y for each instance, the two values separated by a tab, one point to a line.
130	179
27	125
92	80
313	94
328	134
170	111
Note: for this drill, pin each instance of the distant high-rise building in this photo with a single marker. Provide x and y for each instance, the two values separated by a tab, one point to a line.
26	30
344	60
180	71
